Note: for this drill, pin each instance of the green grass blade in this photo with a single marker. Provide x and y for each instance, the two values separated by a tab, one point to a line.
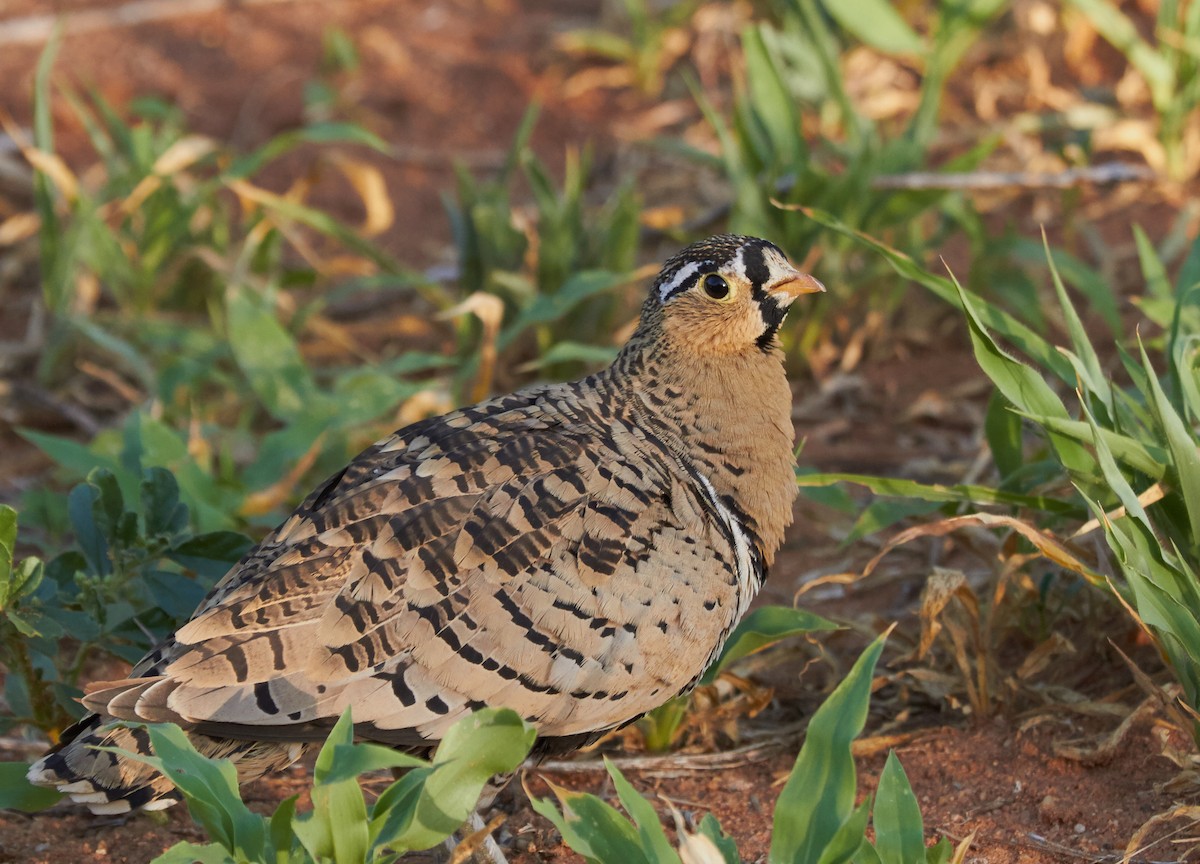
650	830
762	627
878	24
960	494
594	829
1092	372
1158	283
899	831
1184	457
818	797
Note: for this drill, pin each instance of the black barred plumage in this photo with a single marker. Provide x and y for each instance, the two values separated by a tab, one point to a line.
576	552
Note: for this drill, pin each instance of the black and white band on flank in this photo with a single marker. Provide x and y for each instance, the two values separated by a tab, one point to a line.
746	558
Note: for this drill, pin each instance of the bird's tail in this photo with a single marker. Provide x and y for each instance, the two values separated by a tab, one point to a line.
109	783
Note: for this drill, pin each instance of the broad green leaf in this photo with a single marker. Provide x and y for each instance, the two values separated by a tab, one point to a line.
595	829
878	24
849	842
8	542
899	831
268	355
1022	386
210	788
1158	284
818	797
1002	429
88	535
212	554
17	793
186	852
71	455
650	830
575	352
475	749
337	827
711	828
762	627
547	308
774	106
162	510
25	579
350	760
283	841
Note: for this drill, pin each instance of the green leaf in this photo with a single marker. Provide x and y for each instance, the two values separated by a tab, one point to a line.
653	838
1002	428
88	535
547	308
77	459
283	840
24	581
476	748
849	843
268	356
818	797
762	627
337	827
878	24
8	543
1090	371
963	493
211	554
899	831
595	829
186	852
17	793
210	788
162	510
1184	458
711	828
350	760
883	513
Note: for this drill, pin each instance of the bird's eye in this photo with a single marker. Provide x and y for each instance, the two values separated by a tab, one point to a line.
715	287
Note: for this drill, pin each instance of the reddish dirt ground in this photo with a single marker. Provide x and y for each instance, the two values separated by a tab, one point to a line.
449	80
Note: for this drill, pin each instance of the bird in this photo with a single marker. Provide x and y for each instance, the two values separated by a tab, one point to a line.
578	552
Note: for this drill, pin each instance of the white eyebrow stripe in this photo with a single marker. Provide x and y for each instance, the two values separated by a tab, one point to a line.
686	272
739	262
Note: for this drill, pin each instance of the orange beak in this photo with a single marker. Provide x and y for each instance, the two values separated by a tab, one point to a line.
793	286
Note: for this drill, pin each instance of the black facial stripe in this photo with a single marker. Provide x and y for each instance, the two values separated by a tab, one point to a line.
773	315
757	270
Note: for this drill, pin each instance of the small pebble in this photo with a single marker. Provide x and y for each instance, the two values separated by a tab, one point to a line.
1079	829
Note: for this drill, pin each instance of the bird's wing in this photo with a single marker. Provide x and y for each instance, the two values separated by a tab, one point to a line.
521	554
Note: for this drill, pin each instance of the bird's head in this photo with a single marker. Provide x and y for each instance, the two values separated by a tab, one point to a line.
726	295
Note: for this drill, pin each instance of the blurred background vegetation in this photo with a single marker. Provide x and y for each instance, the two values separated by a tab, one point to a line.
236	248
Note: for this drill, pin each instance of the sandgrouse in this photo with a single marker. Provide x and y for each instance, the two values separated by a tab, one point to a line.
576	552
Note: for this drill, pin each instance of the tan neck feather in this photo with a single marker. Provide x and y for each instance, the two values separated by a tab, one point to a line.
734	418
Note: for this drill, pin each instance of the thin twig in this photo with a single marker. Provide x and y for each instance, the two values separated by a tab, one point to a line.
33	29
